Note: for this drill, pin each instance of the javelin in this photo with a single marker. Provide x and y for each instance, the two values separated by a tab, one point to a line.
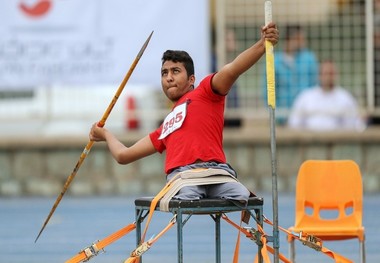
100	124
271	93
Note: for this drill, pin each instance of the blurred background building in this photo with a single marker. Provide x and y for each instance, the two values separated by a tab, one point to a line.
61	62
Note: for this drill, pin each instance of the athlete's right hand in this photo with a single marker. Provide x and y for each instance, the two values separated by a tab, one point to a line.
97	133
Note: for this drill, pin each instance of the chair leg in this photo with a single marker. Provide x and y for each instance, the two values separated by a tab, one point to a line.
217	239
179	237
259	219
138	228
292	251
362	251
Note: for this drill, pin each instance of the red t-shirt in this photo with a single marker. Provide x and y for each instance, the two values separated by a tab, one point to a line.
201	135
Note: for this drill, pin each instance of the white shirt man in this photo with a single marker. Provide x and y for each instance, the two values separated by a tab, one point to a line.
326	107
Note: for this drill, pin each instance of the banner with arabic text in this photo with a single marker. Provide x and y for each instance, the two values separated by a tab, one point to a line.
88	42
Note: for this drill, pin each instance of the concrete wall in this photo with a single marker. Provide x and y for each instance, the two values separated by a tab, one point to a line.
40	166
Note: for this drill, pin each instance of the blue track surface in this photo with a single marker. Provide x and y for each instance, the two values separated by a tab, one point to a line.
78	222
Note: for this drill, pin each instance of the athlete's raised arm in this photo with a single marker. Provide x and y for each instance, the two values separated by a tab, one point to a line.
228	74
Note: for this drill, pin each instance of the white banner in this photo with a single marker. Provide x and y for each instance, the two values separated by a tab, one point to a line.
87	42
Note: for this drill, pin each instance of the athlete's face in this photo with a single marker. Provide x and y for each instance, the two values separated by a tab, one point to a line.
174	80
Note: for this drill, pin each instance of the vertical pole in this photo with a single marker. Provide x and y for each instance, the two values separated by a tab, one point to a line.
276	244
370	55
271	90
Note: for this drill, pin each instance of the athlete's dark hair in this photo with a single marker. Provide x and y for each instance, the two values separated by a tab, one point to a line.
179	56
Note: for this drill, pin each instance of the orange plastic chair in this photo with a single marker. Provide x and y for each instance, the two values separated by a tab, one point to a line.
329	202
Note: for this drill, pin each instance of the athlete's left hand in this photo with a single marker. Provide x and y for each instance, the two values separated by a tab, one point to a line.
270	33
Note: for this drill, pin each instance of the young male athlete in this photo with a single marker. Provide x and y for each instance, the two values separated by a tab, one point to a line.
192	133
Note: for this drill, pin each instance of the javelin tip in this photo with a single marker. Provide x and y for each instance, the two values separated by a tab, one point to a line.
35	241
139	55
39	234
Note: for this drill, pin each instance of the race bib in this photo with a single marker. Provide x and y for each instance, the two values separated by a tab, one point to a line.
174	120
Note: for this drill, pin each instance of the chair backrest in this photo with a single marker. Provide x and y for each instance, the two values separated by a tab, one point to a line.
329	193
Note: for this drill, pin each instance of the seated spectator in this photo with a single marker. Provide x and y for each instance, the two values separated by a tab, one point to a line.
327	106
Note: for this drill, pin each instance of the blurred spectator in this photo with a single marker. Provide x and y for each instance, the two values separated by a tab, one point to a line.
326	106
231	49
296	67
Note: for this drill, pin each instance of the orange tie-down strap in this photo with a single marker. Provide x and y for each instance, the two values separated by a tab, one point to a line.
93	250
306	239
251	235
144	246
313	242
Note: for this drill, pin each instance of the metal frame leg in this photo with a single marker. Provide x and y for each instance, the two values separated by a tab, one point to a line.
138	227
292	251
259	218
179	237
362	251
141	211
217	239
